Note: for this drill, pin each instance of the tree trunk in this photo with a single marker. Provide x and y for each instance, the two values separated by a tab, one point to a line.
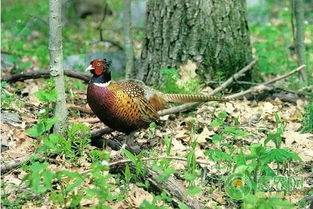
212	33
129	50
56	63
299	16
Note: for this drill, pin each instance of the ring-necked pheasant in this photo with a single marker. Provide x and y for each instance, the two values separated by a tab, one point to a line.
128	105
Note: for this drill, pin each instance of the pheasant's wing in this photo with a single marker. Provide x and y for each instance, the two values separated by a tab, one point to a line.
138	89
138	93
147	112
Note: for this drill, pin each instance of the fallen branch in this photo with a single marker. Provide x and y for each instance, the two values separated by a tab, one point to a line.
171	186
44	74
175	189
157	158
7	166
263	86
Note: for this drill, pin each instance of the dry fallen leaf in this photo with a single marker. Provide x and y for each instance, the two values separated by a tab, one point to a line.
204	135
187	72
137	195
292	136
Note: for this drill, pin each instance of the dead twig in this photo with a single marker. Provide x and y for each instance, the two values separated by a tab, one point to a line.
234	77
177	109
85	120
263	86
114	43
44	74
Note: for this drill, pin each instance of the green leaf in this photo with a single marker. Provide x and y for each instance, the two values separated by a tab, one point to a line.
73	175
41	127
182	206
193	190
46	96
222	115
37	130
189	176
216	122
147	205
240	159
218	155
166	174
280	156
168	144
217	138
235	131
130	156
127	174
47	179
49	122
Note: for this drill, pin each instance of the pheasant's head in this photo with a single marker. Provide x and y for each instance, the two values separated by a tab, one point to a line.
99	67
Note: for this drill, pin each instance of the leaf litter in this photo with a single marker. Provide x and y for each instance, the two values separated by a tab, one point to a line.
257	118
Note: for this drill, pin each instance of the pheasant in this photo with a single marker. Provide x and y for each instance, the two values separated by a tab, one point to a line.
129	105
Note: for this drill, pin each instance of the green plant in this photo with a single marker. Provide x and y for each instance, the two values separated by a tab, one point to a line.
254	202
102	188
72	146
68	182
40	179
6	202
6	97
43	126
171	76
308	119
136	160
47	96
63	186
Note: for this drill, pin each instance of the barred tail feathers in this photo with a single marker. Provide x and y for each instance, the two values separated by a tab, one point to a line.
186	98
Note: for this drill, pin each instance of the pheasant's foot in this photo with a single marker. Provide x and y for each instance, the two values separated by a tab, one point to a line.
114	144
128	143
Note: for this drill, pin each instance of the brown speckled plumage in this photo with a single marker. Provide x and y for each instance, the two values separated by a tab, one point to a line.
129	105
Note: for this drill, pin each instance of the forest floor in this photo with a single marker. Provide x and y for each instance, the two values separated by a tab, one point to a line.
230	127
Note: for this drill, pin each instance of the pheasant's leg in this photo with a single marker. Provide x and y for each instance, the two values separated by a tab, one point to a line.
128	143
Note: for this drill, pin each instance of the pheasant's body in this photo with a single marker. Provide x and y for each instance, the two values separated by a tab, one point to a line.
128	105
125	106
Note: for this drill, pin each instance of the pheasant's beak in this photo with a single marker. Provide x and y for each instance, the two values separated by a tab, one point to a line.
89	68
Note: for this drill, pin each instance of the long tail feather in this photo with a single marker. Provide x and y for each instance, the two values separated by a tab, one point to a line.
186	98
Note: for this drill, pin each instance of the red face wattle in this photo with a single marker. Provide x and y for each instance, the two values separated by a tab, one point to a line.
99	66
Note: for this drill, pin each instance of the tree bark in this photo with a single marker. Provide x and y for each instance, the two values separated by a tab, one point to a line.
56	63
299	16
129	50
212	33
